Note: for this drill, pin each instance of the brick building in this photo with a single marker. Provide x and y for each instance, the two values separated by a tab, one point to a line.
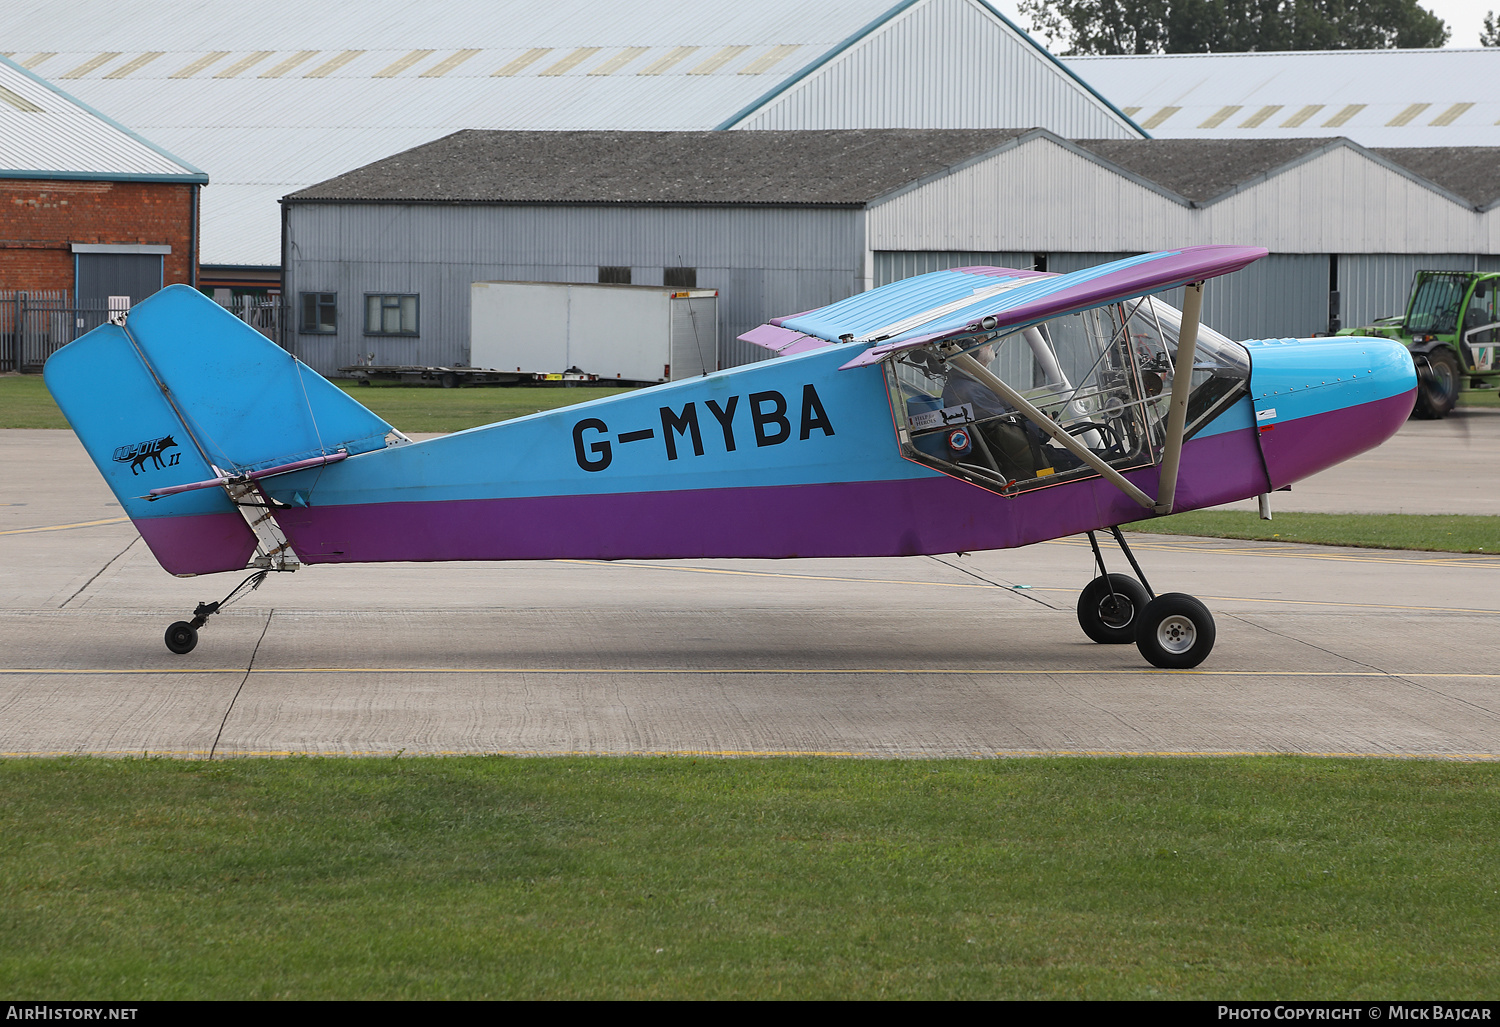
92	217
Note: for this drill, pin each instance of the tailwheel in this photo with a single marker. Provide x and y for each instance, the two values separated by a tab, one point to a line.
1109	607
182	638
1175	632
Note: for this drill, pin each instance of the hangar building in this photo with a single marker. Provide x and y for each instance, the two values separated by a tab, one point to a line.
91	215
781	222
309	89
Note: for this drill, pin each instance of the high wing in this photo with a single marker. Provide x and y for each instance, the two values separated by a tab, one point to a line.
945	304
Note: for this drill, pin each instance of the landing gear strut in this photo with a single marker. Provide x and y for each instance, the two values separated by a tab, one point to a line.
182	636
1173	631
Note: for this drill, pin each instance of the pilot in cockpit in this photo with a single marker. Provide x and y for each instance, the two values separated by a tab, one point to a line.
1011	440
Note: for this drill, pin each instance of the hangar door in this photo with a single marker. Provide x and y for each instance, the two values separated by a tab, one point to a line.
102	275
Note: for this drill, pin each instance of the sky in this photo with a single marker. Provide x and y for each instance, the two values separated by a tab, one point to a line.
1464	17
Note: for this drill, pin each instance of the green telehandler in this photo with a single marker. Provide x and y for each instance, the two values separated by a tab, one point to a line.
1451	326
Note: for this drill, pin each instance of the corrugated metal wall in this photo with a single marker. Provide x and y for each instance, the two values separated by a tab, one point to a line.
1284	295
1377	284
765	262
893	266
1042	196
943	64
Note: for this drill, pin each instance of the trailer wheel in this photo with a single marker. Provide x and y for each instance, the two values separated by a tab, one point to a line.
1437	384
450	380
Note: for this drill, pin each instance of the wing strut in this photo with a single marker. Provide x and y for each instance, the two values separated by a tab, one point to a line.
1182	384
974	369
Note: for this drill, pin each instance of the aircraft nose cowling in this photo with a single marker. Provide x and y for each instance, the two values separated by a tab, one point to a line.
1321	401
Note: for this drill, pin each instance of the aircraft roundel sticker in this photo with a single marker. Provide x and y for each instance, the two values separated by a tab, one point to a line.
958	441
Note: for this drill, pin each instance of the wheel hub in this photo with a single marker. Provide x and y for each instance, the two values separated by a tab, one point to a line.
1116	611
1176	634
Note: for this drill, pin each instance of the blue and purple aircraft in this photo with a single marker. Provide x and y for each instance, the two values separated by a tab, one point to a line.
968	409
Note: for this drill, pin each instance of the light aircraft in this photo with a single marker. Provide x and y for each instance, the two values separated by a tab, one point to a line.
968	409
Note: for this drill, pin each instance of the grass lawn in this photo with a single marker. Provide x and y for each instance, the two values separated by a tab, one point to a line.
416	409
26	403
1446	533
1257	877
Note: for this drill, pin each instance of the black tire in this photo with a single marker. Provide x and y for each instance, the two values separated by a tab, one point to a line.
1111	619
182	638
1437	385
450	381
1175	632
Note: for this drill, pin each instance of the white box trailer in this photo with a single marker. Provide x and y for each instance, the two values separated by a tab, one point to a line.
633	333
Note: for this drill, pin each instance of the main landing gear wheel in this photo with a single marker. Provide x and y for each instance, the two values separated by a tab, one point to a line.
182	638
1109	607
1175	632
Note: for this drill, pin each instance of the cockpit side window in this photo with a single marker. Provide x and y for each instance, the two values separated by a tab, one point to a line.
1104	375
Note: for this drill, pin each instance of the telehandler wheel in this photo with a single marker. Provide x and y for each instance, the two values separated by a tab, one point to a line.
1437	384
1110	619
182	638
1175	632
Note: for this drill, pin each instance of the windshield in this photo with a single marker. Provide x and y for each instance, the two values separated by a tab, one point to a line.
1105	375
1435	302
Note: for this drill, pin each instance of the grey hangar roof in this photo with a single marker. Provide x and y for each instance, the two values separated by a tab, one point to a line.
786	168
838	168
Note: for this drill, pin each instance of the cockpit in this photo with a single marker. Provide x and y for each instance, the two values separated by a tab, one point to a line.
1104	376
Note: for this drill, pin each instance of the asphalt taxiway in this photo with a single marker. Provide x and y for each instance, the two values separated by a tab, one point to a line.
1320	650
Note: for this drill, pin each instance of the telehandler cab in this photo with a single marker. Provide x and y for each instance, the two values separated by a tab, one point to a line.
1450	327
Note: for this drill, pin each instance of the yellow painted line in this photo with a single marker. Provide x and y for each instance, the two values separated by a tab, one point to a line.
1457	757
722	671
1011	588
64	527
1311	602
1291	549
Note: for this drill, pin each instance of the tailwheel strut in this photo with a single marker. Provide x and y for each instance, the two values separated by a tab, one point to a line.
182	636
1173	631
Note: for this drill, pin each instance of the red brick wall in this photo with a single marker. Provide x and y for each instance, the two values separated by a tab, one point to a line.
40	220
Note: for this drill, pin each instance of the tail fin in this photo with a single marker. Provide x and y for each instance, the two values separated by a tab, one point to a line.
184	392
